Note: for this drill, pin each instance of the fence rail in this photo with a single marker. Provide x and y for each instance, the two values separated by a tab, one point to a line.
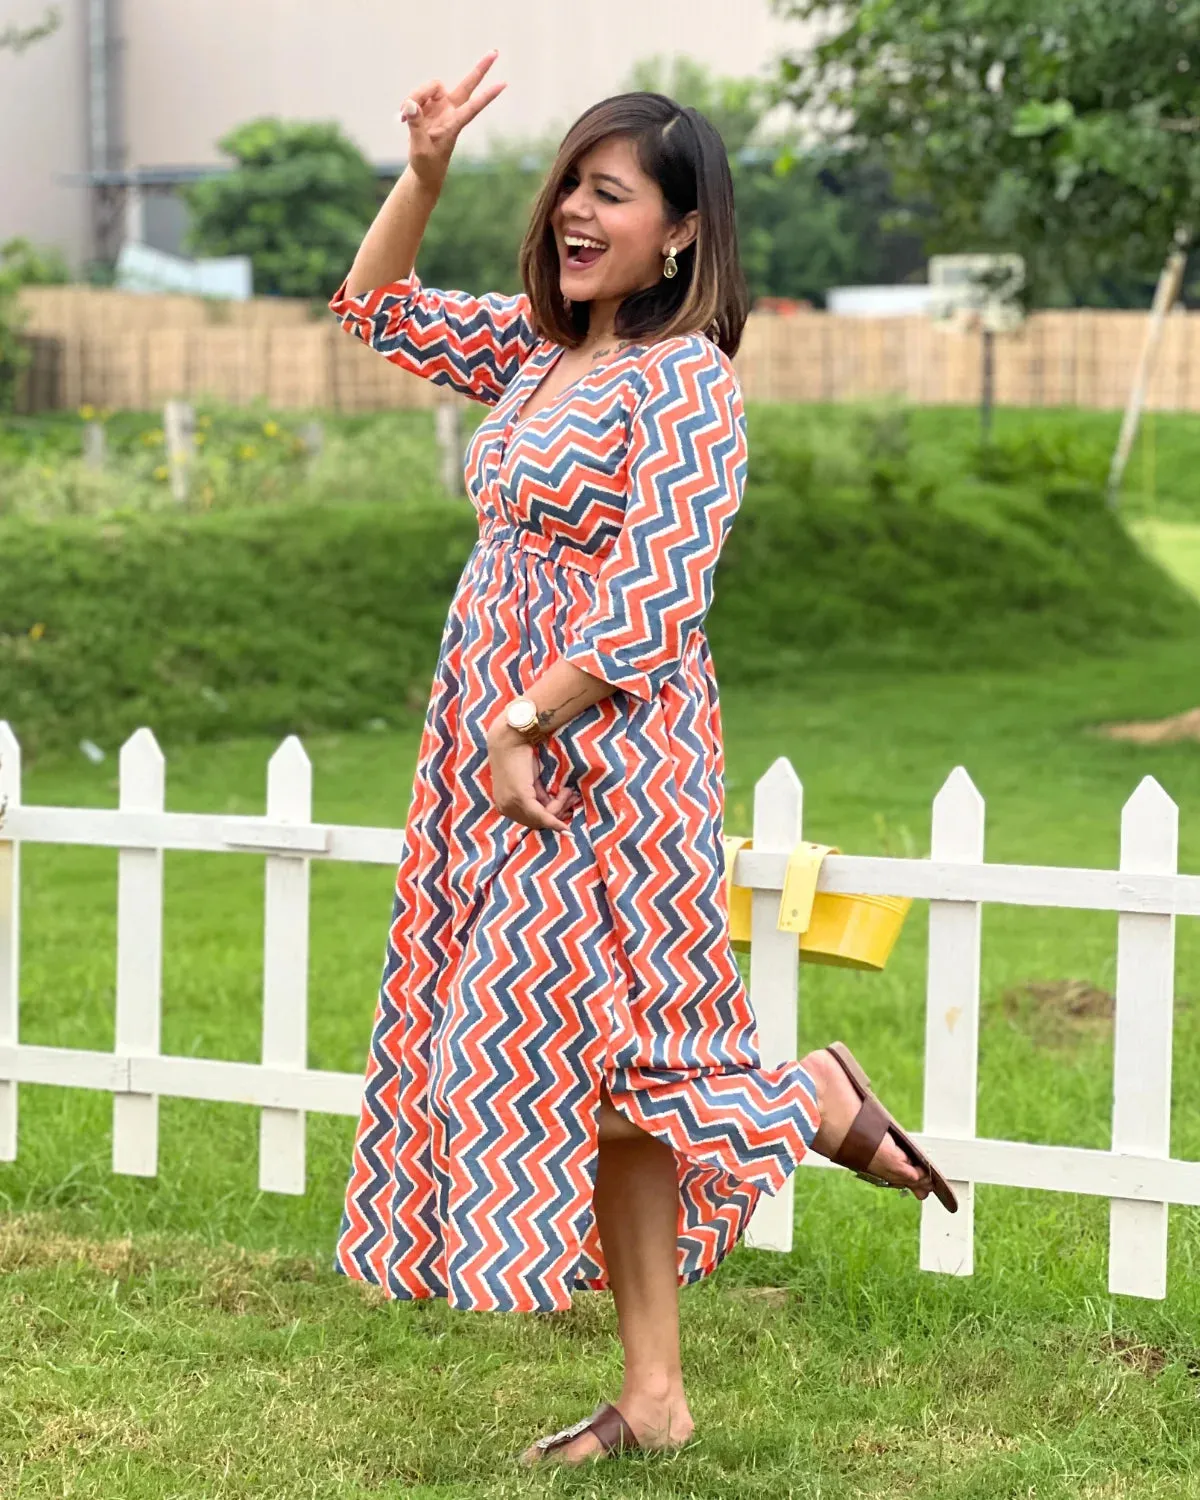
121	350
1147	891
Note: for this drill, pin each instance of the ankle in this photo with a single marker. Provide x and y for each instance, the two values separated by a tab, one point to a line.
818	1065
655	1386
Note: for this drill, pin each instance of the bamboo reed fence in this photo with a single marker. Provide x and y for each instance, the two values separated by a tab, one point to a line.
122	350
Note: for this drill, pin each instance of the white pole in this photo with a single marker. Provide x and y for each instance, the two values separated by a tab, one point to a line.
179	428
1169	281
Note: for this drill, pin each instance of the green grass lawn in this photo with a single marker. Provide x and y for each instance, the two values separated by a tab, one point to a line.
1174	544
186	1336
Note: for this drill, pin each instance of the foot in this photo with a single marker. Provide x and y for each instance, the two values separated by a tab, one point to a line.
658	1421
838	1104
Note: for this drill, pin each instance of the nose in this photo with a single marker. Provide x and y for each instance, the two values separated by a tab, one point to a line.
571	203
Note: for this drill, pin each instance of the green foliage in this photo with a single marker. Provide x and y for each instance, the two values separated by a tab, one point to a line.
852	545
21	264
1063	131
474	235
245	456
736	106
296	203
18	38
25	264
14	356
806	220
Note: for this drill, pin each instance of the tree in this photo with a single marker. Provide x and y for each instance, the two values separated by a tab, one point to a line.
808	218
474	236
1066	130
296	203
14	354
17	38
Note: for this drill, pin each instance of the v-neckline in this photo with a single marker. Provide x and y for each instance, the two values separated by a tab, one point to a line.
520	415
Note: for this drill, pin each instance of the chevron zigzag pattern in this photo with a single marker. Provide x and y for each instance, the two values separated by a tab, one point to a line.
524	966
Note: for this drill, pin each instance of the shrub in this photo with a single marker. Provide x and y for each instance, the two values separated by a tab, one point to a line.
297	617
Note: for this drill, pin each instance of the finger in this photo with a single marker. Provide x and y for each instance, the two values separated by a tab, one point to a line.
534	816
470	81
416	102
471	108
434	89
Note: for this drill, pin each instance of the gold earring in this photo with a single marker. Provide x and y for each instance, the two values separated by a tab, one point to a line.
670	265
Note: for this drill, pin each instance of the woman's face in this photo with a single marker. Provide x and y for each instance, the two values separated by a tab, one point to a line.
611	225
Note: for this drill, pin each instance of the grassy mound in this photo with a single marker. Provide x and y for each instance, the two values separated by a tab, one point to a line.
300	617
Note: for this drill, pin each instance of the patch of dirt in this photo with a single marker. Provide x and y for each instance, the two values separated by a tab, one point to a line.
1147	1359
1059	1011
762	1296
1185	726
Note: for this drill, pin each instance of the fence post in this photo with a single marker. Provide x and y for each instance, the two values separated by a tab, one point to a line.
774	975
95	445
179	429
952	1022
139	957
281	1164
1137	1235
447	426
10	933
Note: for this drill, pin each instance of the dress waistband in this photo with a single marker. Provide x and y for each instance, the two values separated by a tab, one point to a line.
495	532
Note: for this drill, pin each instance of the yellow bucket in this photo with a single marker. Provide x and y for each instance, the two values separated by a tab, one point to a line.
847	932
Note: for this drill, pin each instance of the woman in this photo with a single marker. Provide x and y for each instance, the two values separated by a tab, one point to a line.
564	1090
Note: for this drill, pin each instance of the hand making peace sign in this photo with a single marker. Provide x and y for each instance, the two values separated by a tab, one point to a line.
435	115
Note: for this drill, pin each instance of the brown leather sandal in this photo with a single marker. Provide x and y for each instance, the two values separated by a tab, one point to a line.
614	1432
868	1129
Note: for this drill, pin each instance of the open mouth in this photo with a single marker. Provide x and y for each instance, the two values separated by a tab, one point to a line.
582	251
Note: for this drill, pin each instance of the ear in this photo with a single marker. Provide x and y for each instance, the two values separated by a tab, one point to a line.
682	234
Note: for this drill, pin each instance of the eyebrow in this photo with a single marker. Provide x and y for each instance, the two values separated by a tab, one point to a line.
608	177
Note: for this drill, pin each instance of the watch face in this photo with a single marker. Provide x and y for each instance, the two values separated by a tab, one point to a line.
520	715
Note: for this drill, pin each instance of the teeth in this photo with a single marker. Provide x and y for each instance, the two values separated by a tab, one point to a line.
579	242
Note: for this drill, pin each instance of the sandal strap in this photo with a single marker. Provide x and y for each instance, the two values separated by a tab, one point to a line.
610	1427
864	1137
563	1435
614	1432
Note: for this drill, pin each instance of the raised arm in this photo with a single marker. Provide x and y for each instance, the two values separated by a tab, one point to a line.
435	115
475	344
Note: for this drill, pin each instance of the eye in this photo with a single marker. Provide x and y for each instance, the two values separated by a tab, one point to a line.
608	197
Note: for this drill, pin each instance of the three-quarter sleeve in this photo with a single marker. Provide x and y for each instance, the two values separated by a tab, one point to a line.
473	344
686	474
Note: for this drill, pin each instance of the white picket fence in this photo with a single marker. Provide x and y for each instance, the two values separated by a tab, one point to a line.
1137	1175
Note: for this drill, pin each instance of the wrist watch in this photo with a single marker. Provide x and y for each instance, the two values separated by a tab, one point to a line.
522	715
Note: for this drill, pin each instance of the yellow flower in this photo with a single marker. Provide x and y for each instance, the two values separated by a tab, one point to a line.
161	472
271	429
199	438
36	632
155	435
203	421
87	413
247	450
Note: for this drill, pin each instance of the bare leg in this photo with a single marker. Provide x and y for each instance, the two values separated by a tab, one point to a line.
637	1212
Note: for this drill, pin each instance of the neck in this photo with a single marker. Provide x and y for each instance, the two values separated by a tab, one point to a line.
601	318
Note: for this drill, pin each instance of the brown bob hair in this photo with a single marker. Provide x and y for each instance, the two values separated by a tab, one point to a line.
683	152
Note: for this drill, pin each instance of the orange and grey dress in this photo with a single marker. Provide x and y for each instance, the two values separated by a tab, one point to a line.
523	966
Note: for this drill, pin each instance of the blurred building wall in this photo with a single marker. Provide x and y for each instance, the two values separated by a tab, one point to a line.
188	73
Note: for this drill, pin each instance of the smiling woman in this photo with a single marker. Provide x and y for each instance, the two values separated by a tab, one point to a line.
564	1088
636	220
